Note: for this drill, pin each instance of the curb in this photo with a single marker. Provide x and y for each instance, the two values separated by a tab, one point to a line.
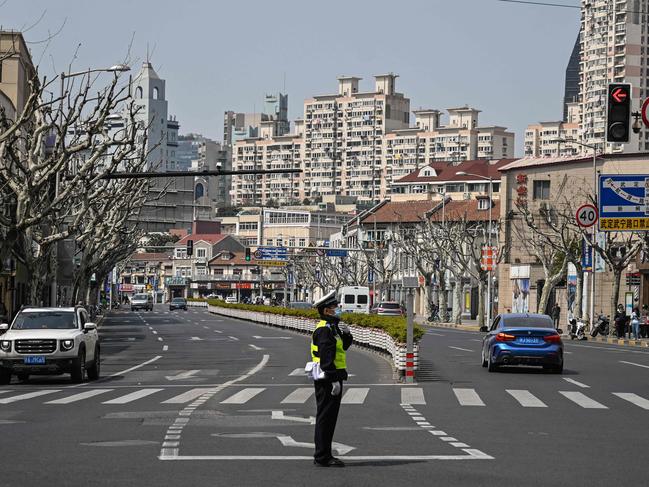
452	325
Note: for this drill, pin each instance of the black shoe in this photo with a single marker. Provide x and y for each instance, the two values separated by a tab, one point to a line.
332	462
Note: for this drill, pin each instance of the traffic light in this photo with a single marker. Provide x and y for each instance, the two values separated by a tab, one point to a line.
618	115
190	248
247	254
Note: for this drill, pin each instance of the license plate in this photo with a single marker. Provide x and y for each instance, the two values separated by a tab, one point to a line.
528	340
35	360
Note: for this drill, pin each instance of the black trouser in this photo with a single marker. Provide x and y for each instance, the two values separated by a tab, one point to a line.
325	420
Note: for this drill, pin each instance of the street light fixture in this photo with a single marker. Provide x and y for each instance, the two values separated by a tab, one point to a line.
594	233
490	179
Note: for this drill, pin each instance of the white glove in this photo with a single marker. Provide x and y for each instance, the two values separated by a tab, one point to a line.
343	327
336	387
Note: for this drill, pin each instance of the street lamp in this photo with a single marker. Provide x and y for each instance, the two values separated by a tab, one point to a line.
594	233
490	179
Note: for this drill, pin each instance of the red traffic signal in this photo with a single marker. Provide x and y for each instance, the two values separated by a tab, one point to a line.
618	113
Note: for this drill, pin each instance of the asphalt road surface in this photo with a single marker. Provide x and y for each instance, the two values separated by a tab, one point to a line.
193	399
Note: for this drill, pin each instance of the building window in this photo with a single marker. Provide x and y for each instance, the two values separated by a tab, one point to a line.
541	190
156	93
302	242
201	253
138	92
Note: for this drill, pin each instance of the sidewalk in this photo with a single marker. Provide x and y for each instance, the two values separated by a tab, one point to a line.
472	325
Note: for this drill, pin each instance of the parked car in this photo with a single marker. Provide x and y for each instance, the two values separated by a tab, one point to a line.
388	308
142	301
300	305
178	303
44	341
231	299
522	339
354	299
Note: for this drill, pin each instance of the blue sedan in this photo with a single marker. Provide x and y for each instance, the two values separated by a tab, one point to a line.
522	339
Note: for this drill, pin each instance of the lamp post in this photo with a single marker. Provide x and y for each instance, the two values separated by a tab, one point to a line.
117	68
490	179
594	232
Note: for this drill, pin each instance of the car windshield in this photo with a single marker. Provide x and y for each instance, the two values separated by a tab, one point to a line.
389	305
45	320
140	296
178	300
529	322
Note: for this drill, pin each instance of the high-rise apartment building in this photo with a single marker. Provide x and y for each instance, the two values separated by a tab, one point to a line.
614	42
571	87
239	126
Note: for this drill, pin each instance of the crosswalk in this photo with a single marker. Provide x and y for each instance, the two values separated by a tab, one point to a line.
273	396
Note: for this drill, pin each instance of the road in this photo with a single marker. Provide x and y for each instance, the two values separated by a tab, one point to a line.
192	399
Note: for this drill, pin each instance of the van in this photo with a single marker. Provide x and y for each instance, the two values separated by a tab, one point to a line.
142	301
354	299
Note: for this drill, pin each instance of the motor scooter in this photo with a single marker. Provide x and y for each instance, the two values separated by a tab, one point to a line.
577	330
601	326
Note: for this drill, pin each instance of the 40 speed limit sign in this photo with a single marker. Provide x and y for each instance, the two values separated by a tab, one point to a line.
586	216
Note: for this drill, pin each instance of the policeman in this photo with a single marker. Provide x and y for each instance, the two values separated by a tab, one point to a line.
329	342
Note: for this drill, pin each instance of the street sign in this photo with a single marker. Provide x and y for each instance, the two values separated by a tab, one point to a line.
623	202
586	256
336	253
370	276
271	253
488	260
633	278
643	111
258	254
272	263
586	216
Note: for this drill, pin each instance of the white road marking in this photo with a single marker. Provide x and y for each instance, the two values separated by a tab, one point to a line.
160	339
199	339
412	395
183	375
341	448
355	395
188	396
218	331
582	400
577	383
137	366
526	398
633	363
79	397
633	398
299	395
206	327
471	454
463	349
29	395
165	348
280	415
254	347
271	338
298	371
244	395
133	396
436	334
154	332
233	338
468	397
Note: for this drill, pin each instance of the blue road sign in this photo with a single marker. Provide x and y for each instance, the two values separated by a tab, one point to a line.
370	276
336	253
586	256
623	202
272	253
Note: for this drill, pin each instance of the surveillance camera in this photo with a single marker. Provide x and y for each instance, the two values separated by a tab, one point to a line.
637	126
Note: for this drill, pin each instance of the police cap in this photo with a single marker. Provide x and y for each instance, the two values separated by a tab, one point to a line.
326	301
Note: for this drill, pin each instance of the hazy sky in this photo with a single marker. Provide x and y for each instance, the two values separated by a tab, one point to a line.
505	59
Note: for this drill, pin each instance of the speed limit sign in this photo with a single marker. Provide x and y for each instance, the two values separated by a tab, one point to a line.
586	216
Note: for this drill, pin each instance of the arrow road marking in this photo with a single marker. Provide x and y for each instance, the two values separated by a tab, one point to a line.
182	375
280	415
286	440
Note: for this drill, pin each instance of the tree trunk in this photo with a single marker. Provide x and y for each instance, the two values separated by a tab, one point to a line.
457	302
550	283
578	311
481	302
617	276
441	296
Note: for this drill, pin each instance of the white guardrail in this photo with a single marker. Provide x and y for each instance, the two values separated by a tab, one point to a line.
373	338
197	304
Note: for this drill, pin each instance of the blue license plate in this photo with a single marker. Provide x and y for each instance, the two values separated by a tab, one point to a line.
528	340
35	360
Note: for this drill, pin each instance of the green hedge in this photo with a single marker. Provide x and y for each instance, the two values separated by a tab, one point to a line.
394	326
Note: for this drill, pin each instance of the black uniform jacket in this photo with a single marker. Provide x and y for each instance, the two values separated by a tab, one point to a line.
325	339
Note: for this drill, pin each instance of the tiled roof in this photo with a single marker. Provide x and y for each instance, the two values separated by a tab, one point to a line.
400	212
238	259
446	171
206	237
458	209
150	256
549	161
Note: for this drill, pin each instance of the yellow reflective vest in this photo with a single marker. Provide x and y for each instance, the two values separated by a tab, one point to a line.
340	359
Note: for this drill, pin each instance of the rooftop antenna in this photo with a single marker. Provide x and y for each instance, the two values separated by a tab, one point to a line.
284	88
147	53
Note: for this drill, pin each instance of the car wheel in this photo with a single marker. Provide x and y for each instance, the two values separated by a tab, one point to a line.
482	359
491	366
5	376
23	377
93	370
78	372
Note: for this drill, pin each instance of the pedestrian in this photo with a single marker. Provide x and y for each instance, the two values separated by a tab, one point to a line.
620	321
556	314
330	340
635	322
644	321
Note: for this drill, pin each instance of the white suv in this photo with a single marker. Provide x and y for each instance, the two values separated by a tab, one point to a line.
49	341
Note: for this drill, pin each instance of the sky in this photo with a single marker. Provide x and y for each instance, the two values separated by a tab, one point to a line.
505	59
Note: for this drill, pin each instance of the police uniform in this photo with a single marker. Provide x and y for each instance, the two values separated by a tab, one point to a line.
328	346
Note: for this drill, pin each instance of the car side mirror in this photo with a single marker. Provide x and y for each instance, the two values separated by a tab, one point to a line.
3	328
484	329
90	326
